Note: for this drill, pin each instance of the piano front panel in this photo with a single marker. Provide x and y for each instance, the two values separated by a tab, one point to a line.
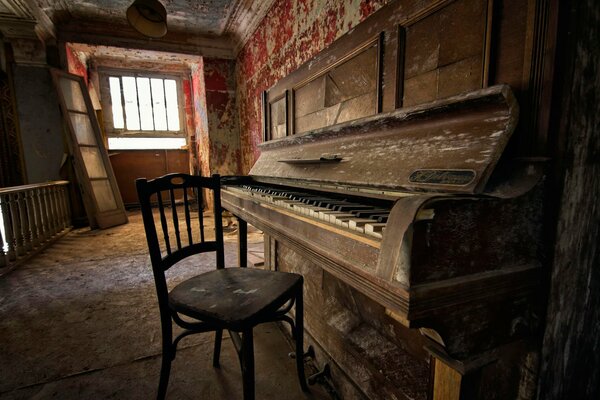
372	351
476	236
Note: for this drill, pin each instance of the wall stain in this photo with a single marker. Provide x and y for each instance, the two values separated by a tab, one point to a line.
291	33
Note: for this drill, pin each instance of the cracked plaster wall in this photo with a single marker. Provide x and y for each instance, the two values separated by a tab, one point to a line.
291	33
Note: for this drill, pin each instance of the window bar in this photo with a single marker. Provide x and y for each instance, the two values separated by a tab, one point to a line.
151	105
165	105
122	104
137	97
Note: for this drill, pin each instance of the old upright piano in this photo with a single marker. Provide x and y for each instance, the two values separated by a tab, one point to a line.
418	234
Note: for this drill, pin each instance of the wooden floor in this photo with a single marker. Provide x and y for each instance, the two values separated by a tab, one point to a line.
80	321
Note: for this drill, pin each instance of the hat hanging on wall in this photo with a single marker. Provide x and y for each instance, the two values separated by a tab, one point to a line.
148	17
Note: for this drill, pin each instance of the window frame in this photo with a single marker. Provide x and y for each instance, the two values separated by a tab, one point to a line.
106	102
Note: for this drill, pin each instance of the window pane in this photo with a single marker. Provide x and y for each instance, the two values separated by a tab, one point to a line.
145	101
131	108
117	106
72	94
83	129
104	195
93	162
158	99
172	110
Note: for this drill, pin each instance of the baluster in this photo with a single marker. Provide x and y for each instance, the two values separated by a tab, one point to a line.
16	223
24	221
3	260
10	239
61	208
39	219
59	211
33	220
66	205
44	213
49	212
55	209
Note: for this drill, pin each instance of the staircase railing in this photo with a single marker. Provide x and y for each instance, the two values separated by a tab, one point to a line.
31	217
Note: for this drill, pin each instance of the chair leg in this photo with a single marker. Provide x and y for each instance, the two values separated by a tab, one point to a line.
168	354
300	340
217	351
247	361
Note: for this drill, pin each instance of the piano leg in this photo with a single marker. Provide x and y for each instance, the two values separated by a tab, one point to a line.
453	379
242	243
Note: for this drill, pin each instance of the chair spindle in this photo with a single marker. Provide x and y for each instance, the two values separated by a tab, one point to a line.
163	222
175	219
200	213
187	216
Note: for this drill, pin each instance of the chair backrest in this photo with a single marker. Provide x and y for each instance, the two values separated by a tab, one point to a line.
181	237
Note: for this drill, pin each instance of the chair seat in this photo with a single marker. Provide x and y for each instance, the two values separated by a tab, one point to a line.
233	297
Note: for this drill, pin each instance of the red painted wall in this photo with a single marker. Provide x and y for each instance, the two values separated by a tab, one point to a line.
291	33
75	64
222	116
200	124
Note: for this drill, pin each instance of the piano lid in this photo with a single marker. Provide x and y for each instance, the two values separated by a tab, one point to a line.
450	145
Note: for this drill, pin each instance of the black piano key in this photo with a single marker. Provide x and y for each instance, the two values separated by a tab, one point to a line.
381	218
328	203
351	208
317	201
369	213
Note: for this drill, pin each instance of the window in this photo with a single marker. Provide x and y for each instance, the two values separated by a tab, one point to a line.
142	110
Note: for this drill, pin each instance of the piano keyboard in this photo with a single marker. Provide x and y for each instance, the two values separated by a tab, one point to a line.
367	219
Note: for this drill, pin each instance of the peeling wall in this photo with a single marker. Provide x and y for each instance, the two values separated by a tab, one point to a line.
291	33
222	116
200	117
76	64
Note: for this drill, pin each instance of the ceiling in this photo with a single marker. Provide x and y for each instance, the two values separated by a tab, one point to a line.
201	27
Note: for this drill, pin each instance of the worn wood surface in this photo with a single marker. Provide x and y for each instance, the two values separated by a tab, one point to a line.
129	165
371	355
570	366
233	295
465	133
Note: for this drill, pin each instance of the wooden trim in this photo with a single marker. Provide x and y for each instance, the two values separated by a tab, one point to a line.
103	75
412	305
97	218
400	64
487	47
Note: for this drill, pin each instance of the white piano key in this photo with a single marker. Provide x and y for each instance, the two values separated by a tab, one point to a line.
375	229
358	224
333	217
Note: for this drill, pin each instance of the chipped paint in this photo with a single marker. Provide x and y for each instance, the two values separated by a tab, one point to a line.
76	62
200	117
224	154
292	32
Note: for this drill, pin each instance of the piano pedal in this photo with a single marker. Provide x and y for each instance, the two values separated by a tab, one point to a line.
321	377
310	353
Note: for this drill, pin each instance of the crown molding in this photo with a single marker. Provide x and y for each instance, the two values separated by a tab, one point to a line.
245	17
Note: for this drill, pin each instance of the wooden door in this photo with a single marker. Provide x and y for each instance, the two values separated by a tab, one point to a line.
100	192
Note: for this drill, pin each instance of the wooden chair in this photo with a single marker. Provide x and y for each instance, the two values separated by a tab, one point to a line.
236	299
